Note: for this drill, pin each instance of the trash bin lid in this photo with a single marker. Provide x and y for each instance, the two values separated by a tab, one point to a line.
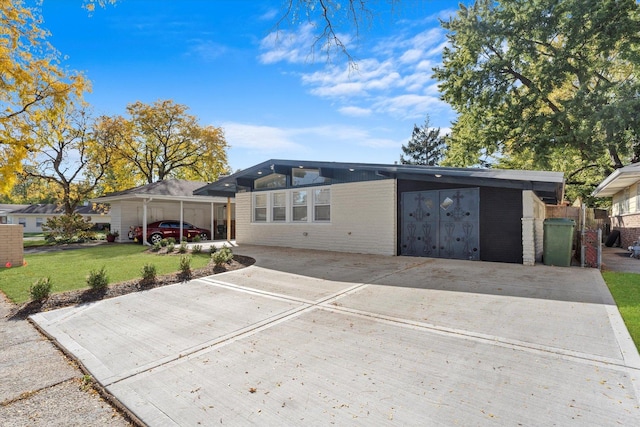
559	221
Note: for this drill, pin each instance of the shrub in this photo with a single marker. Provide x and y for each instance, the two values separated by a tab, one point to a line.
196	249
41	289
68	229
149	274
183	248
172	240
164	242
185	267
222	256
170	248
97	279
197	238
212	249
156	247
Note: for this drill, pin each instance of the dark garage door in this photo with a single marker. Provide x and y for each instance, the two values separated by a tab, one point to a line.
441	223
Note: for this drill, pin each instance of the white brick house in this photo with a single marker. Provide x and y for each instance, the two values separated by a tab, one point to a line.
477	214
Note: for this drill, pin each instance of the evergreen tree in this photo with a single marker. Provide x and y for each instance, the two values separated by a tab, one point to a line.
426	146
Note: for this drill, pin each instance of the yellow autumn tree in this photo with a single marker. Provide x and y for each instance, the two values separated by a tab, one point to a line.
30	73
162	141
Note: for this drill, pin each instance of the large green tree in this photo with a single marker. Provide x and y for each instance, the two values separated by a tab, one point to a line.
426	146
550	84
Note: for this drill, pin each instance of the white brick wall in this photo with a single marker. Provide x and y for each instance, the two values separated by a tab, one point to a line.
363	220
533	214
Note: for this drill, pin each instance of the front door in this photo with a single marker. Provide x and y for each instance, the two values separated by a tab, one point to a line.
441	223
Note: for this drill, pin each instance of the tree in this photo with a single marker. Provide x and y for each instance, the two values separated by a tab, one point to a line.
426	146
534	80
162	141
68	152
30	75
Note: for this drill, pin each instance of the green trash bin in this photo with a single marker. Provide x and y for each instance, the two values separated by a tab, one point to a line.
558	241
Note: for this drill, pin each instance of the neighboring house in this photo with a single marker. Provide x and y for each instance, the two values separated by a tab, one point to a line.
623	186
33	217
477	214
6	209
169	200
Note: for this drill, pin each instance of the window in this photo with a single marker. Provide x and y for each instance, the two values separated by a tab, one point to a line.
275	180
260	207
624	208
301	176
39	222
279	206
322	204
299	206
22	221
638	197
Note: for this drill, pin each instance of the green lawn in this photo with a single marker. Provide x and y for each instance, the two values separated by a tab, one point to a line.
68	269
625	288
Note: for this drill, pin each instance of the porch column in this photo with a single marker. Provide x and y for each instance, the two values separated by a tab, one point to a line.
228	219
144	221
181	220
213	232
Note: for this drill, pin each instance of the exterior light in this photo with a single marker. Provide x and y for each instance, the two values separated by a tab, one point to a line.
438	175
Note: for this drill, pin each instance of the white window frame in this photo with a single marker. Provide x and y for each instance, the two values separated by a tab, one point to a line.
638	197
274	195
299	205
266	200
317	204
265	207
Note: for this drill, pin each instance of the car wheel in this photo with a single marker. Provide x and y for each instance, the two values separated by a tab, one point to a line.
155	238
204	236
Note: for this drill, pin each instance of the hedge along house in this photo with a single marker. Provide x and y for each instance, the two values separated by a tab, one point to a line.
477	214
170	200
623	186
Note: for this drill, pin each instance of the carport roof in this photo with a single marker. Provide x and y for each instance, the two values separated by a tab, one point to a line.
618	181
549	186
173	189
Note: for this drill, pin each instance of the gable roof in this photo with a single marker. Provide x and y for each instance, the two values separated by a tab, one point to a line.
171	189
618	181
53	209
549	186
9	208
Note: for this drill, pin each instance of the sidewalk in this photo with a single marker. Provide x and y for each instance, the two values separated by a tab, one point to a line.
39	386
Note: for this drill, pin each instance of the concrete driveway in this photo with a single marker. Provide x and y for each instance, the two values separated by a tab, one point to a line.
321	337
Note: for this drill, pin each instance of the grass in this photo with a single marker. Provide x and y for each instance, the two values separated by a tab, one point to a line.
68	269
625	288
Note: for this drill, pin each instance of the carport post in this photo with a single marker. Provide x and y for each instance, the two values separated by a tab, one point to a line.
229	219
181	219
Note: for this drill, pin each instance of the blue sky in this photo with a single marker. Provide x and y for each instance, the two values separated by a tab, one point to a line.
273	96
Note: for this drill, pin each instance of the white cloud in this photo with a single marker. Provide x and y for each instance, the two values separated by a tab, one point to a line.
206	49
260	138
355	111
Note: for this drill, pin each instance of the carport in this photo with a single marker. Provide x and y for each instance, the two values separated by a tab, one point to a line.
170	200
318	337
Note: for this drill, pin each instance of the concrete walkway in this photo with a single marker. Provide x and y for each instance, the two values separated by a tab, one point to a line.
320	337
38	384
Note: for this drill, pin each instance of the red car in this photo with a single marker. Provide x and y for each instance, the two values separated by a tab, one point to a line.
156	231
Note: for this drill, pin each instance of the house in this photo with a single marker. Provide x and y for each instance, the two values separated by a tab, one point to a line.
6	209
32	217
623	186
477	214
169	200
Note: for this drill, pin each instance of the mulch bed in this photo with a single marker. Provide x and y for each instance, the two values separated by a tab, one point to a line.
83	296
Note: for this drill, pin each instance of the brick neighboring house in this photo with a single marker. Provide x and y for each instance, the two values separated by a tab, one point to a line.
623	186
